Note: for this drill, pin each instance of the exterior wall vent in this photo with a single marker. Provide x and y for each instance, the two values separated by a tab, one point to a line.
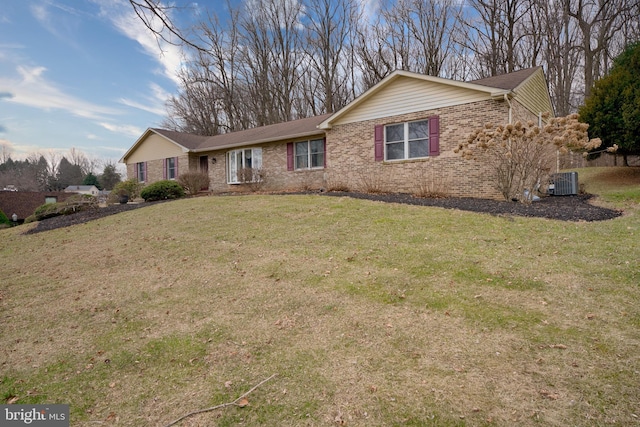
564	184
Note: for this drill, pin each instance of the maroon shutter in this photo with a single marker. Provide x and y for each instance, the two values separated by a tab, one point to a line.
164	169
290	156
176	168
324	145
379	143
434	135
146	178
137	166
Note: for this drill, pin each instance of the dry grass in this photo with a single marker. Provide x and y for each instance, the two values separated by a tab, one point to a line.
370	315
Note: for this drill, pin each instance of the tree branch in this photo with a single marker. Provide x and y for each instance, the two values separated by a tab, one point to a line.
223	405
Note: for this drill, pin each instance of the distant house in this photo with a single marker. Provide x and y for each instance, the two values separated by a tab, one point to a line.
399	135
24	203
91	190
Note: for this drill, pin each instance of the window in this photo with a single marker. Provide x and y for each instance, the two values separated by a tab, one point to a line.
406	140
244	165
141	171
170	168
309	154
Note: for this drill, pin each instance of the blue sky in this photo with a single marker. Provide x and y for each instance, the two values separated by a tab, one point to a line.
80	73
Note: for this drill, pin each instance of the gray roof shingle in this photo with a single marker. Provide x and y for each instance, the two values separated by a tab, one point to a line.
276	132
507	81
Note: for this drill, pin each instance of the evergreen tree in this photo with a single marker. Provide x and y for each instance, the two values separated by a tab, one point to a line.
613	109
109	177
91	179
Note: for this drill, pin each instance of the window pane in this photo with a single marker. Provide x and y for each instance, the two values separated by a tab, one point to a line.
233	168
317	160
247	159
395	151
302	155
317	146
257	158
171	168
394	133
419	130
302	161
141	176
317	153
419	148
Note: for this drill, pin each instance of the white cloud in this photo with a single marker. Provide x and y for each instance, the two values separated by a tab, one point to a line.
128	130
32	89
154	103
126	21
369	9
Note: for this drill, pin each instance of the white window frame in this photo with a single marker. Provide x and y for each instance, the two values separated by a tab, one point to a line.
309	155
233	161
171	170
406	141
141	171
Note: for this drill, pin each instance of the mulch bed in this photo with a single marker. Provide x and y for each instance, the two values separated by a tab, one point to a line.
563	208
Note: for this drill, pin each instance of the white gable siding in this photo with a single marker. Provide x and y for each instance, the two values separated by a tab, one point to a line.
154	147
533	94
408	95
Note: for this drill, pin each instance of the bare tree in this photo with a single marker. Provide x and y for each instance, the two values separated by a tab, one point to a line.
435	25
327	36
5	153
495	35
271	53
600	22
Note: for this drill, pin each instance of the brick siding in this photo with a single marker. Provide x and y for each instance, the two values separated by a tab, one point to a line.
351	163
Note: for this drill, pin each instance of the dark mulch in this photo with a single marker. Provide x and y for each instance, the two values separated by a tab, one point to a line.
564	208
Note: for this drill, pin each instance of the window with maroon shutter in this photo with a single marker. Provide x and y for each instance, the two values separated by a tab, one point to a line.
408	140
309	154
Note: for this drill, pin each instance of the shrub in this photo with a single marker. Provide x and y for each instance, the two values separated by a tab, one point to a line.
254	178
4	219
430	184
73	204
162	190
523	154
131	187
371	182
193	182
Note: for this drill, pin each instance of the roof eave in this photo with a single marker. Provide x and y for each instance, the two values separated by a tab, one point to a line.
260	141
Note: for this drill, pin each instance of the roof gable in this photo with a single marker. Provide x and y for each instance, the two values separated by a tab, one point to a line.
411	92
170	141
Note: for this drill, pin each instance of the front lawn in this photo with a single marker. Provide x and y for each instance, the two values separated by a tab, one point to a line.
368	313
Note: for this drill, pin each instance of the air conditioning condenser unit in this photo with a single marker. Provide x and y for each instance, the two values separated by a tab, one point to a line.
564	184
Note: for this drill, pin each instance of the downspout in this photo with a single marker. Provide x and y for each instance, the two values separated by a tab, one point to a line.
506	98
